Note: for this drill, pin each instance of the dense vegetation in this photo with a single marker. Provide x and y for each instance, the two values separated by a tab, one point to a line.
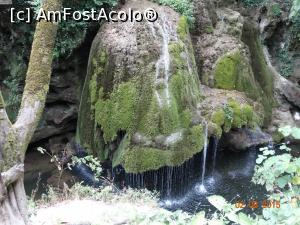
18	36
277	169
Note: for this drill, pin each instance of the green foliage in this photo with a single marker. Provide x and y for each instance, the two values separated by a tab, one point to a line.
72	33
57	161
295	9
286	62
287	131
91	162
281	176
253	3
228	118
14	54
234	115
295	28
13	83
276	10
185	7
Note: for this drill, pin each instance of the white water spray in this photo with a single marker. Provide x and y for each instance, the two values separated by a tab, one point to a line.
202	188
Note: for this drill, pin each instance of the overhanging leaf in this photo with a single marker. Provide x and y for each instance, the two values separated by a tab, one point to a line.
296	133
244	219
217	201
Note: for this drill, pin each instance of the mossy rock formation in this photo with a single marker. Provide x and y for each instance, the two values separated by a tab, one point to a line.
141	93
231	58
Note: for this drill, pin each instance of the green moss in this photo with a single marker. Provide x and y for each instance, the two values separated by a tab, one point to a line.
116	100
247	114
140	159
233	72
237	121
99	64
118	154
234	115
276	10
218	117
169	118
148	124
215	130
93	90
226	71
117	112
261	72
184	86
186	118
88	133
183	27
176	49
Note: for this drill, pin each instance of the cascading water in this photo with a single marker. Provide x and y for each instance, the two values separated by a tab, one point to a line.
169	181
202	188
215	148
163	63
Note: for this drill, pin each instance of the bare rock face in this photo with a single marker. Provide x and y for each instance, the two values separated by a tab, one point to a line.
205	16
243	139
230	57
215	41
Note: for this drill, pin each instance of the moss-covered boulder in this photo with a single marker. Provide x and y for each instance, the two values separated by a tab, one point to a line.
231	58
141	93
228	110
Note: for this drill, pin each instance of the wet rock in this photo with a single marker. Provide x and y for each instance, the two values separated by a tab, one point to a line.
243	139
142	79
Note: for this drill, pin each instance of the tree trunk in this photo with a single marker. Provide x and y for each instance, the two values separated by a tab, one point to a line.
12	197
14	138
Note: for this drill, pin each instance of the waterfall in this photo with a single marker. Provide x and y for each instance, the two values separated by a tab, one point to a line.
215	147
168	181
163	65
202	188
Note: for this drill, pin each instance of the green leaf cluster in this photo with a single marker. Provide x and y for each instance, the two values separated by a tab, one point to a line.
184	7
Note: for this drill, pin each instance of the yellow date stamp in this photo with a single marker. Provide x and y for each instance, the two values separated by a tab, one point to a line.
254	204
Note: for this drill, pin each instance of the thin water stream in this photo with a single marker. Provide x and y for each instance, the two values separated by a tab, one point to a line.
201	188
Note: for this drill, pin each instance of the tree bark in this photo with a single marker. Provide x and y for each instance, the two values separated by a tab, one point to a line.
14	138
